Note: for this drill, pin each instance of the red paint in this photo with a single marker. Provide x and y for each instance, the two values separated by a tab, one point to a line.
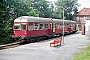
38	32
56	41
58	30
69	29
20	33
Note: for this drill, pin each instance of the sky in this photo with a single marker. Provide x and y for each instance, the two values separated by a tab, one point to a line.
83	3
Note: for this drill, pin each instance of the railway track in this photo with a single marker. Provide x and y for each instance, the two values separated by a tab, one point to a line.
11	45
16	44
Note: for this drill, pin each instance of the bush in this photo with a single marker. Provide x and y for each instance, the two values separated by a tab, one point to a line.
5	36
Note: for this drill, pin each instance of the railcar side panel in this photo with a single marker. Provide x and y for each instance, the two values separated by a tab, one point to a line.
58	30
65	29
38	32
20	33
37	29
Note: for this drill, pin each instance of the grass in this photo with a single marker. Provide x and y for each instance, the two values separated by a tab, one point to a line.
84	55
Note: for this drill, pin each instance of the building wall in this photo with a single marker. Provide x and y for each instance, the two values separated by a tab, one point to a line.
81	20
87	30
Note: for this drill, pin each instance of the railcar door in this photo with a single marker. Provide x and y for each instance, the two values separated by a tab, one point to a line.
53	28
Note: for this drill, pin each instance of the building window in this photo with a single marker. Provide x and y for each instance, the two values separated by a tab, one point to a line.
77	18
84	18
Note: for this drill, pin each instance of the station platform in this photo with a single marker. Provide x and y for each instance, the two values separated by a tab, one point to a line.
73	44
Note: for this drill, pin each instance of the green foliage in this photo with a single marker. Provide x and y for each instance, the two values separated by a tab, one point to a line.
84	55
33	13
57	13
43	7
69	6
29	7
5	32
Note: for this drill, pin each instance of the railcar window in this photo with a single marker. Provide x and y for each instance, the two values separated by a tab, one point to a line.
41	26
68	25
16	27
61	25
30	26
23	26
57	26
72	25
50	25
46	26
36	26
65	25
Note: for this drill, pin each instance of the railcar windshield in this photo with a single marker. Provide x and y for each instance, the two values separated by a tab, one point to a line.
17	27
23	26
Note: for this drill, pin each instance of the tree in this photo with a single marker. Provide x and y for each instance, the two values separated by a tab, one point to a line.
69	6
33	13
4	23
43	7
57	13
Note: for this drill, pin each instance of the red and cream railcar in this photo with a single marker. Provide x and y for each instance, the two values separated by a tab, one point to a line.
69	26
26	27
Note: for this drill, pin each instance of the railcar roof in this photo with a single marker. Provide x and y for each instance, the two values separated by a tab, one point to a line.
39	19
68	21
32	19
57	20
61	21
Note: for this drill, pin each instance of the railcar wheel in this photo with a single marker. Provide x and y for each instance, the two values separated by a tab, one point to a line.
42	38
31	40
37	39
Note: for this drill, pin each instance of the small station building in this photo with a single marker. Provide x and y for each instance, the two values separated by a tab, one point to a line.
81	17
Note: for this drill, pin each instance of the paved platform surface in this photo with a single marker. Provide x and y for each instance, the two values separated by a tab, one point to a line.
42	51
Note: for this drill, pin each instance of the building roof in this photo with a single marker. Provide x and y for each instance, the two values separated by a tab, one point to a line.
84	11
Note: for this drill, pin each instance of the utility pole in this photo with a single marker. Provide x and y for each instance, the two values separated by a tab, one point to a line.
63	26
63	20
